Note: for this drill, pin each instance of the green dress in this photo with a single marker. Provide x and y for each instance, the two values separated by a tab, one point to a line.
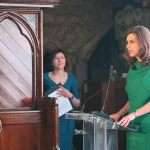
138	90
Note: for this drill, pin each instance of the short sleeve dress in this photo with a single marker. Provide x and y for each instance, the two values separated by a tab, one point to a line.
138	90
66	126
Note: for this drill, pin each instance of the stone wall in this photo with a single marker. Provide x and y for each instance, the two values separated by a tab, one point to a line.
76	26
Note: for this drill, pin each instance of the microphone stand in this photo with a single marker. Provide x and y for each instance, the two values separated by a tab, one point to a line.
102	113
106	96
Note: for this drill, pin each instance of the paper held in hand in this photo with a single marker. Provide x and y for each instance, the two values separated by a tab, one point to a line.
64	104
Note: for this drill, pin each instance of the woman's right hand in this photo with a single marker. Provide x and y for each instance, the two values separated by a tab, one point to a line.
115	116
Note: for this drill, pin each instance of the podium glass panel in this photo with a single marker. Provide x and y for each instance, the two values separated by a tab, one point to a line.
98	133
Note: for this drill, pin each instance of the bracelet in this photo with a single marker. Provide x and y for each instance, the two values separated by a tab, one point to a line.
72	97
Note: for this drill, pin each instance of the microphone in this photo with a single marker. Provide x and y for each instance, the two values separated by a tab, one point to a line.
112	73
58	85
52	89
111	69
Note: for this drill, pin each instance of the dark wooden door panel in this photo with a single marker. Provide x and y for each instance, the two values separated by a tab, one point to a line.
22	131
26	137
30	130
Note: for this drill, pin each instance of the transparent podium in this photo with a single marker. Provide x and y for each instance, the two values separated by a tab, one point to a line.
99	133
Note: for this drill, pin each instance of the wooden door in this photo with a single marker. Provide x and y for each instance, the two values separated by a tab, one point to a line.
26	123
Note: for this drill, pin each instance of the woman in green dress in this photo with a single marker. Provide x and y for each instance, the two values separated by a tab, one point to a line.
137	55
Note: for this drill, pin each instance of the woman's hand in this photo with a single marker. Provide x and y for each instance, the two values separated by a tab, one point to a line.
64	92
121	112
126	120
115	116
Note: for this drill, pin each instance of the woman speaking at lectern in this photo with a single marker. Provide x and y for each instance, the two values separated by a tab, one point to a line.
137	55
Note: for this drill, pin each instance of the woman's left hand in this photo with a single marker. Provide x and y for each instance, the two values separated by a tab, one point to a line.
126	120
64	92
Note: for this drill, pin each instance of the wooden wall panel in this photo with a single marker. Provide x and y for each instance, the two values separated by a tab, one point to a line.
21	130
30	130
91	92
116	97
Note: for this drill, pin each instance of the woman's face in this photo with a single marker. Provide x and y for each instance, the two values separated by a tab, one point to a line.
133	45
59	61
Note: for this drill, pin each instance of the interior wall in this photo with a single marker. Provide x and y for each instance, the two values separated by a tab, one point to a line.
78	26
110	48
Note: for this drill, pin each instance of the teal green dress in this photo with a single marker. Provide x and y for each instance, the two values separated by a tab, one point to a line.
66	126
138	90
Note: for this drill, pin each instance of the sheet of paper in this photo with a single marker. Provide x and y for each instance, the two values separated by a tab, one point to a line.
64	104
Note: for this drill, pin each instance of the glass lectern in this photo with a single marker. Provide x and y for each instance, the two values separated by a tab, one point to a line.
98	133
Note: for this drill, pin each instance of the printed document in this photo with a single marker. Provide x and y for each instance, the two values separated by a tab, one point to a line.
64	104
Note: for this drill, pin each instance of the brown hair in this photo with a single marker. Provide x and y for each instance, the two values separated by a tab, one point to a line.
143	35
48	60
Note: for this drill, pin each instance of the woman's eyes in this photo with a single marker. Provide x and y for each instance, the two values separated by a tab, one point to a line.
59	58
130	42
